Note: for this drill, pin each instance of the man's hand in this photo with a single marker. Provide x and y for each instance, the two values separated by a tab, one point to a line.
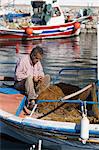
39	78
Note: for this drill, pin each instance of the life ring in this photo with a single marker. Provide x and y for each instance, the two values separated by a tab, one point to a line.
76	25
29	30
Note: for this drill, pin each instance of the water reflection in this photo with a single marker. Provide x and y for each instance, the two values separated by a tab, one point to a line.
78	52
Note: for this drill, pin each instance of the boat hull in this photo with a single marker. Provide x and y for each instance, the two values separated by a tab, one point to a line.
52	133
42	32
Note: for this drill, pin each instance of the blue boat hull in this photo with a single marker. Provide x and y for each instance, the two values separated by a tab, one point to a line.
48	141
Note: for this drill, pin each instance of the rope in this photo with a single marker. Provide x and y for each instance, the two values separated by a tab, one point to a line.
51	111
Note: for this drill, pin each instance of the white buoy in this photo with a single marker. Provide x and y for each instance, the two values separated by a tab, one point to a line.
84	131
40	143
84	124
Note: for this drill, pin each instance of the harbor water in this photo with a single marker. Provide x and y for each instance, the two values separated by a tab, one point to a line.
78	51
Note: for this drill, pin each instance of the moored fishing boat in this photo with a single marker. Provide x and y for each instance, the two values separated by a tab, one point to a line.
47	22
58	124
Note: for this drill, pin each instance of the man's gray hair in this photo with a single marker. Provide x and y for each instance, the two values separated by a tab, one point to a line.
36	50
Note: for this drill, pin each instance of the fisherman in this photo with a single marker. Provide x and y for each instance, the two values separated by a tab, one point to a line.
29	75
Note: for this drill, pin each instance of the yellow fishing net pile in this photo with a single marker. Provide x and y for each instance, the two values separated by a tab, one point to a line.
67	111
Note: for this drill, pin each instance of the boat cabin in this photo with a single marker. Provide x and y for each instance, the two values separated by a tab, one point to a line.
47	13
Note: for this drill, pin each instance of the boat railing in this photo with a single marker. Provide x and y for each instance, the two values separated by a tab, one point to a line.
71	101
77	76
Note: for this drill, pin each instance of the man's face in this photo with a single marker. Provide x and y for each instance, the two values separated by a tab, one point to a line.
36	58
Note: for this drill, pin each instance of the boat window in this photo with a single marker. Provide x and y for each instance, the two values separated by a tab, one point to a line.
56	11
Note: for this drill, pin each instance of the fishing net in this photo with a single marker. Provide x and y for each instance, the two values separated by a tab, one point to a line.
60	111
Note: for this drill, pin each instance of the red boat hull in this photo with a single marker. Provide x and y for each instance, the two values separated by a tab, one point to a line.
42	32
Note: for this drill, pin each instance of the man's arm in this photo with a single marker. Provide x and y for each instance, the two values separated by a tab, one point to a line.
21	70
38	72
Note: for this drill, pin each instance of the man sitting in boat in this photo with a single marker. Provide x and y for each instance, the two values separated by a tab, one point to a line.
29	75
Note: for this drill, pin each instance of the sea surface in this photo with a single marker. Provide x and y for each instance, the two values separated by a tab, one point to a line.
78	51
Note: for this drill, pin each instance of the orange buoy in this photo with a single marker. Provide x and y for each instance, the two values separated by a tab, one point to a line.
76	25
29	31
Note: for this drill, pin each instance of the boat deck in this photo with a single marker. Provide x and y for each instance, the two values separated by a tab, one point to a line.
10	103
58	111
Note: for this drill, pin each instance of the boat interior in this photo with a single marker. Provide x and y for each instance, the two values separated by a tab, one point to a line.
59	101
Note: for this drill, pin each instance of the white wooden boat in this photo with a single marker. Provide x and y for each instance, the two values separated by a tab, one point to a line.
53	133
